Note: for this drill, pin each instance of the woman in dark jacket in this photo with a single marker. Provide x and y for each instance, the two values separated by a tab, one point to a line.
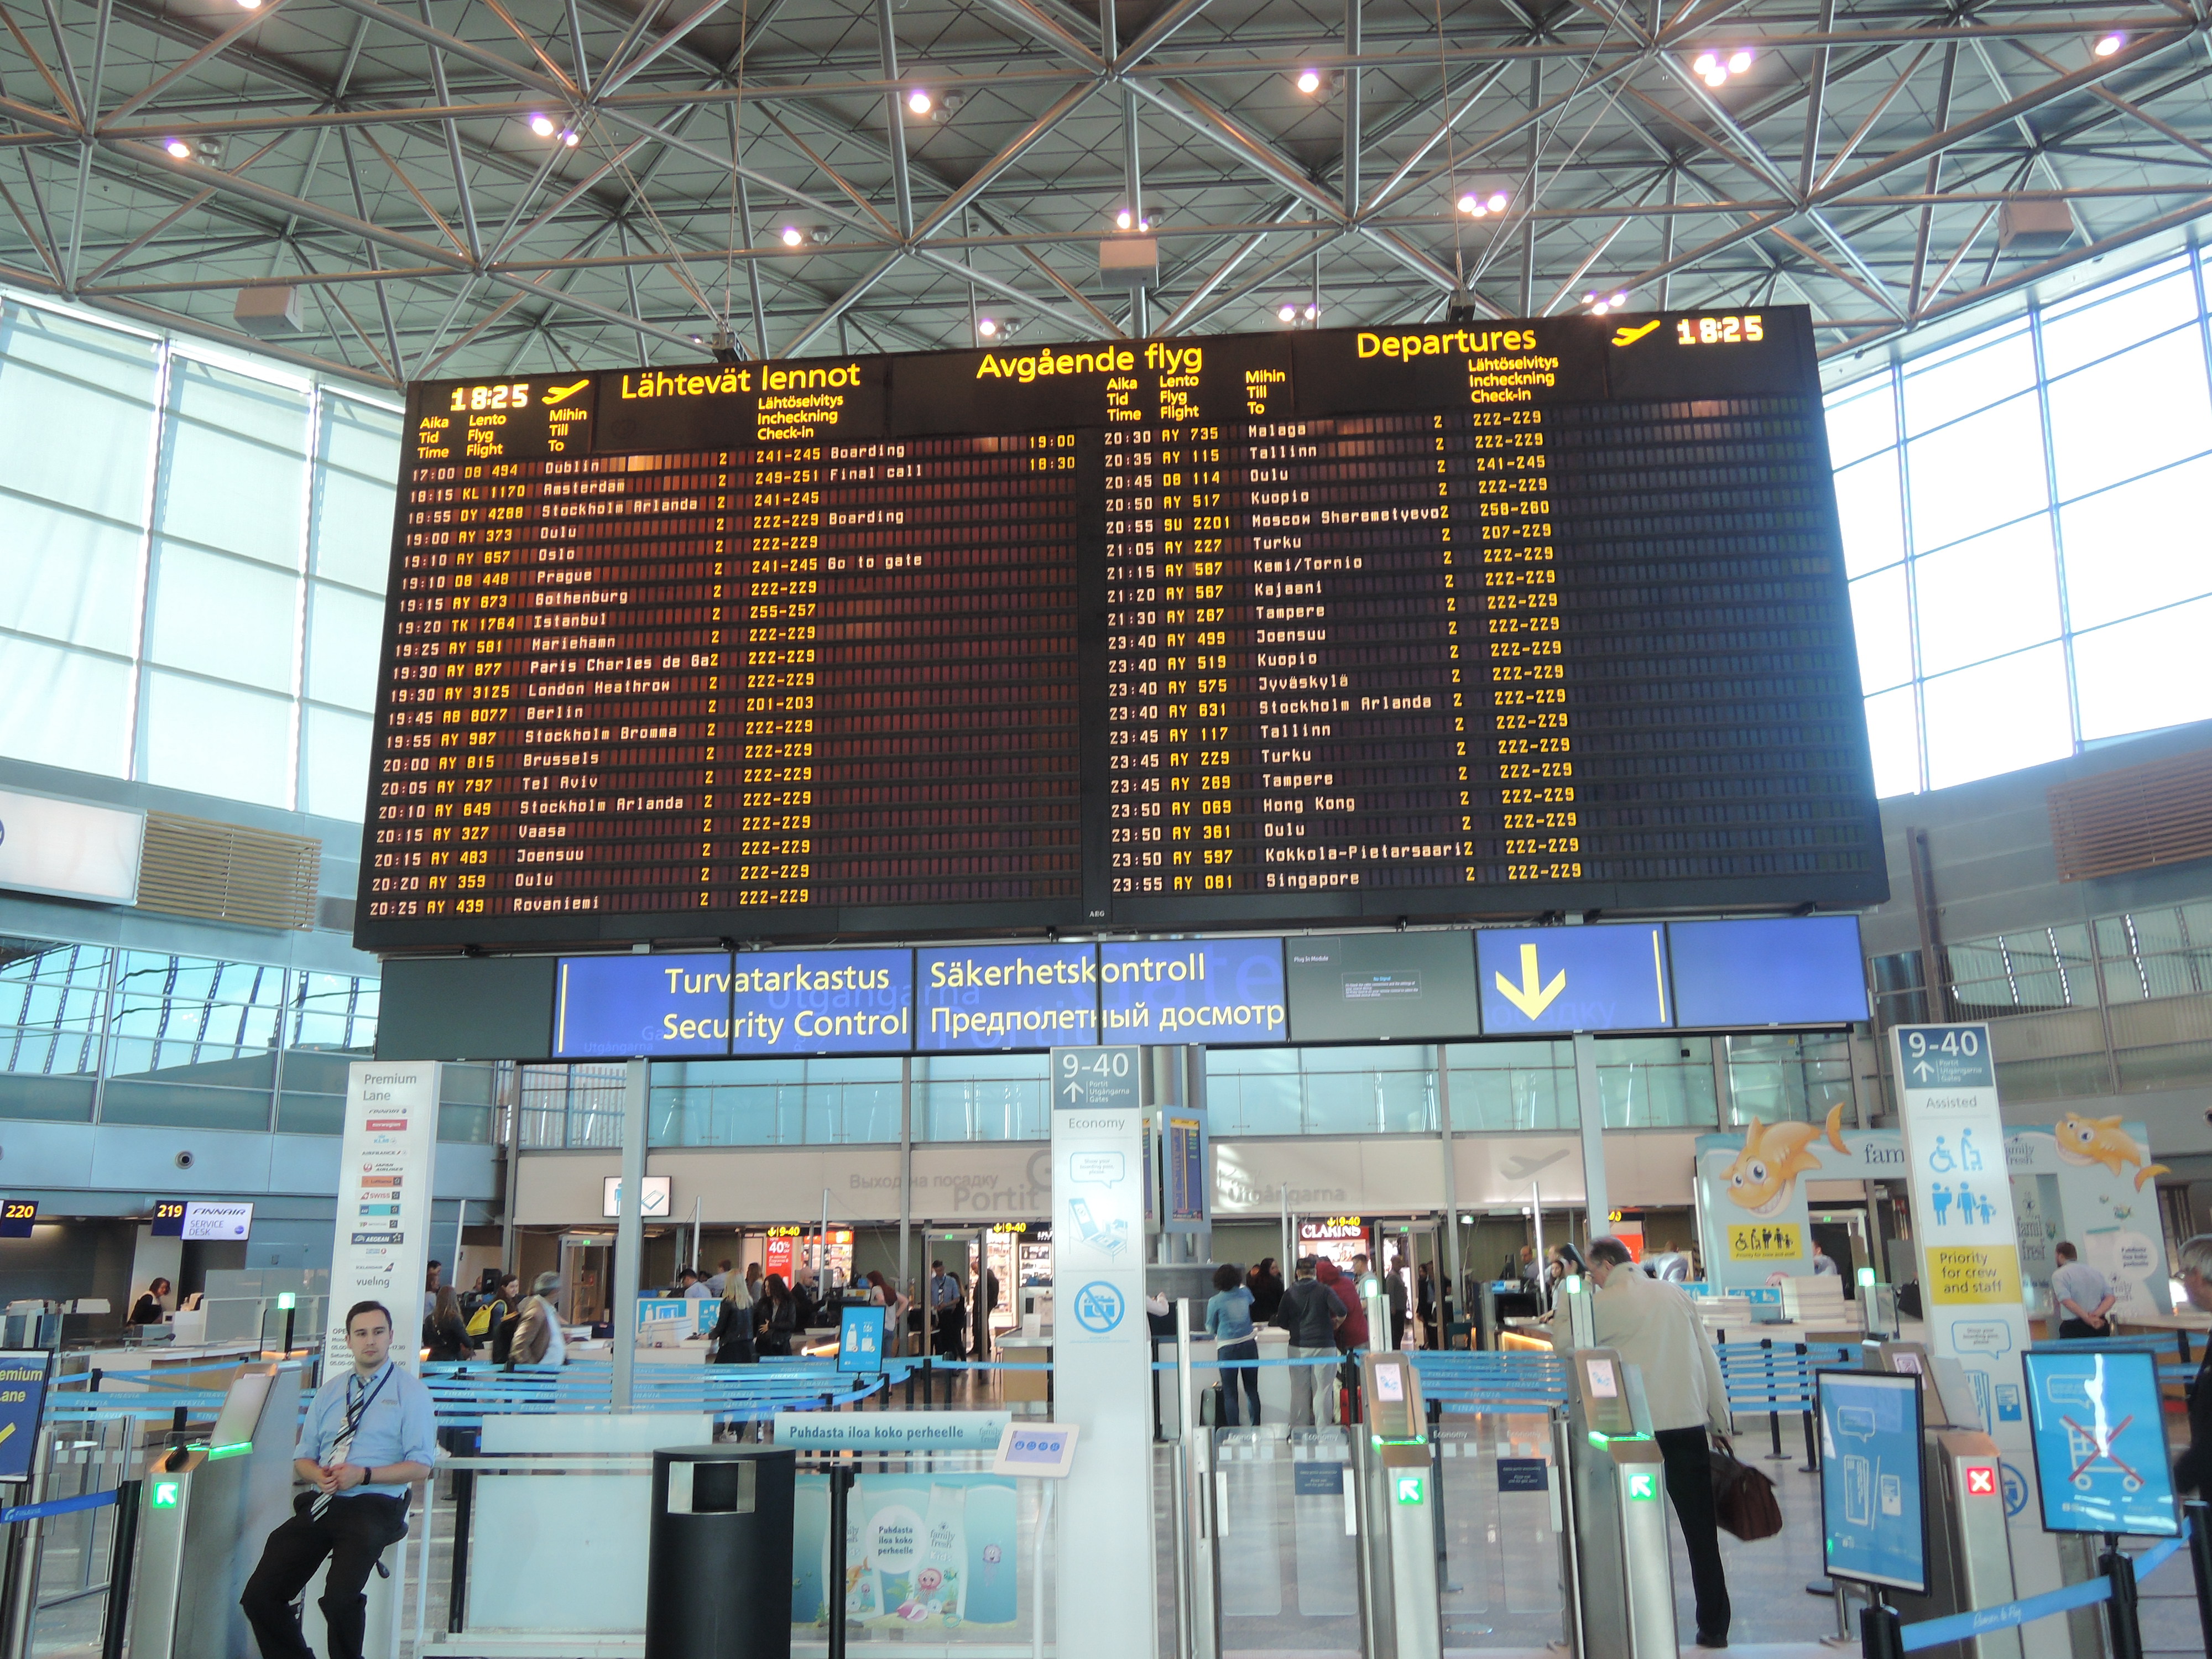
733	1335
445	1333
776	1318
148	1310
1265	1281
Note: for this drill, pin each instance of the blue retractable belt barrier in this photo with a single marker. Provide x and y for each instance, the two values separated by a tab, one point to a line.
91	1500
1958	1626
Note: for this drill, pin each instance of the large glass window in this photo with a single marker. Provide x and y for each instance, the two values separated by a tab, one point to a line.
778	1103
52	1003
193	1042
2026	573
192	556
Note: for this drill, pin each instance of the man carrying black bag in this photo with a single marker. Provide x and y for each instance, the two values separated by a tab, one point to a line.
1654	1326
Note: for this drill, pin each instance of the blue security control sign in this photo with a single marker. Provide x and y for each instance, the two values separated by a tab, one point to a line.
2101	1454
1783	971
1572	979
23	1379
861	1339
1211	991
841	1002
1007	996
625	1006
1871	1479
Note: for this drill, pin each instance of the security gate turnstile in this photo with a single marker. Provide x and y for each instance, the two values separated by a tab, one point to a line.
1398	1502
1969	1555
1620	1576
203	1516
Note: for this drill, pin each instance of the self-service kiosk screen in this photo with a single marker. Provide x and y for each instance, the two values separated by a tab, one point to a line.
1871	1479
2101	1451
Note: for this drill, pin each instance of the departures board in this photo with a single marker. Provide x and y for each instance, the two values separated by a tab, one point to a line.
1427	623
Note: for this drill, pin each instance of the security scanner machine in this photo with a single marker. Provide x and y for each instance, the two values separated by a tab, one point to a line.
203	1514
1398	1513
1969	1556
1620	1574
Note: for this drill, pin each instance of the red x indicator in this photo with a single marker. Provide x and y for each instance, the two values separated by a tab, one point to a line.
1981	1480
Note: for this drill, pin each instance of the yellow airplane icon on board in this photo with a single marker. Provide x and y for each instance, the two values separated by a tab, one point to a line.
559	394
1625	336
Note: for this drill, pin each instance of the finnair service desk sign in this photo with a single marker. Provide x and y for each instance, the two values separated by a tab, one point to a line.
387	1160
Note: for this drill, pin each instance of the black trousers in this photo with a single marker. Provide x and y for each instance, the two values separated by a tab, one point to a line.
2078	1329
1690	1485
352	1532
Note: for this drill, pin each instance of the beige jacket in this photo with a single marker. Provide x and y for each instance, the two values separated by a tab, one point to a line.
532	1337
1655	1328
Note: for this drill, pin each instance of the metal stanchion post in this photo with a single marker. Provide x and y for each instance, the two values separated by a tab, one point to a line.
2121	1618
122	1554
2198	1516
457	1594
1842	1638
841	1486
1881	1634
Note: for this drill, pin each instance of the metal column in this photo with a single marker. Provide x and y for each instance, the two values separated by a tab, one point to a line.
1451	1188
1590	1109
628	1273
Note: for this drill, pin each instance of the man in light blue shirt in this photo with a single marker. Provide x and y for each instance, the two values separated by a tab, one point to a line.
371	1432
2084	1295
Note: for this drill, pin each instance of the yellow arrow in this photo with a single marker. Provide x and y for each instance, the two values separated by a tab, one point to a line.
1526	996
5	1432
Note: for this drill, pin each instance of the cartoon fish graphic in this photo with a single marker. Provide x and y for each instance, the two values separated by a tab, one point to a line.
2101	1140
1765	1173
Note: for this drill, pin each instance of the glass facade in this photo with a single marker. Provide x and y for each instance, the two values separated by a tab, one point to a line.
93	1033
192	553
2117	1005
2019	516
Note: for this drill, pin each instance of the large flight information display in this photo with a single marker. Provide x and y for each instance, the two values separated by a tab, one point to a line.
1427	622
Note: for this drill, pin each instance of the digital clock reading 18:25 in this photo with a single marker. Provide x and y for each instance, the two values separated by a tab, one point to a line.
1718	331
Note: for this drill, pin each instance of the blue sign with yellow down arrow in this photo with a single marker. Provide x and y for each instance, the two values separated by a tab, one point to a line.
1572	979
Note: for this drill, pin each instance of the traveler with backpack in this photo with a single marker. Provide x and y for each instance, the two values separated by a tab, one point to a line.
1311	1313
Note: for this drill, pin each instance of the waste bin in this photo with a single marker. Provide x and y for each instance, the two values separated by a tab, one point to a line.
718	1582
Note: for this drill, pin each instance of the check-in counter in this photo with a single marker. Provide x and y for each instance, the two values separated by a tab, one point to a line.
1204	1372
1026	1388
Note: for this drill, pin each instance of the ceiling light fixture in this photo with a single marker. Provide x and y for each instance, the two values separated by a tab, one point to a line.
1286	312
541	125
918	100
986	327
2111	44
1309	81
178	148
1715	68
570	136
792	236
